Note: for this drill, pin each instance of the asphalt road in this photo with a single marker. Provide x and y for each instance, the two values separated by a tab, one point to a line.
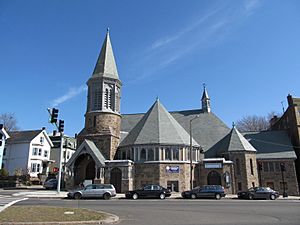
189	212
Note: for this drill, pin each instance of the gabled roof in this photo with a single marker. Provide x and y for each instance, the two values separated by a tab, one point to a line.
271	144
26	136
106	65
157	126
234	141
207	129
22	136
89	147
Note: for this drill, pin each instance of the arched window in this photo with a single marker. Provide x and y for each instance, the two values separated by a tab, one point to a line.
251	167
111	100
106	98
237	167
168	154
143	154
150	154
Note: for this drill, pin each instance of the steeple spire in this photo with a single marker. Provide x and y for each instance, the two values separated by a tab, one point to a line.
106	65
205	100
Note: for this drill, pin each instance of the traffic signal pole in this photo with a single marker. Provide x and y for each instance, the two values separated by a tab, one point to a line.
60	161
60	127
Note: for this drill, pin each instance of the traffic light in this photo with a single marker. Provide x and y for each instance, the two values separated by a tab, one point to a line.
282	166
54	115
61	126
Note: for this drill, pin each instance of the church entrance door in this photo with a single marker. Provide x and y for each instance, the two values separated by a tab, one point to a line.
90	171
214	178
116	179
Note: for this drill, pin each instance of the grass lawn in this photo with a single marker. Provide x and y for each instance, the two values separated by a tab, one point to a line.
48	214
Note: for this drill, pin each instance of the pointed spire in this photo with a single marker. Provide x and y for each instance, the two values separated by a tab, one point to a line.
106	65
205	100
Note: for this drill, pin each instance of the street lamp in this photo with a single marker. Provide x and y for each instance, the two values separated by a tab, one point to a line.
282	168
191	147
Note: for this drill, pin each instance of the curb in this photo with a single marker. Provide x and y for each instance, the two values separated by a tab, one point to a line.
11	203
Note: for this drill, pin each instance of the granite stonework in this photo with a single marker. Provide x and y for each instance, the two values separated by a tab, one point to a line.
270	175
104	130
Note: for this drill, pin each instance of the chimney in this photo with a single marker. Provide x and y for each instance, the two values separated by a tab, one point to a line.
290	100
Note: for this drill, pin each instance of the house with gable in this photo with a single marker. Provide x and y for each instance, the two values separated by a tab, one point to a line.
28	151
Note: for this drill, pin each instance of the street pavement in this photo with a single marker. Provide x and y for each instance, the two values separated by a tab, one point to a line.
6	201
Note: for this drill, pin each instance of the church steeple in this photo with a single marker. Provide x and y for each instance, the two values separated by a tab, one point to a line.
104	86
106	65
205	100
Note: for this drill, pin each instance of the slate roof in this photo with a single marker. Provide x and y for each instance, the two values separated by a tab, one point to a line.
106	65
271	144
207	130
157	126
22	136
233	141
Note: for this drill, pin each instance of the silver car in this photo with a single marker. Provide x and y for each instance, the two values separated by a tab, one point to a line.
105	191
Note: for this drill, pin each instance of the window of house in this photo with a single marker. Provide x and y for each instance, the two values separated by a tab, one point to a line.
40	151
4	152
68	155
0	143
33	167
42	140
150	154
271	166
34	151
143	154
38	167
168	154
46	153
251	167
266	167
277	167
238	168
239	186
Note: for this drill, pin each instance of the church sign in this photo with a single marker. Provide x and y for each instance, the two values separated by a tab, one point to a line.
172	169
213	165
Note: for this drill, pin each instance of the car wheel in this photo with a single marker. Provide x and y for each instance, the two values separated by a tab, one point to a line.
106	196
193	196
218	196
251	197
77	196
272	197
135	196
162	196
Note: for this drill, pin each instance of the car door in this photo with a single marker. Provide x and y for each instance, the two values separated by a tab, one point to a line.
87	192
259	193
98	191
146	192
156	190
203	192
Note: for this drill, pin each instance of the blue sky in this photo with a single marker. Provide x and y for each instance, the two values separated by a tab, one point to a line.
247	52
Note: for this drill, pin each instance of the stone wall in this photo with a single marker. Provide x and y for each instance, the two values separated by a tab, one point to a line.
244	176
273	179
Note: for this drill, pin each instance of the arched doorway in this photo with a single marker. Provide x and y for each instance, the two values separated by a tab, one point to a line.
90	171
116	179
214	178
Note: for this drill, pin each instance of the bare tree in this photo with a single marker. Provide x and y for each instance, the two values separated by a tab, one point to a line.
253	123
9	121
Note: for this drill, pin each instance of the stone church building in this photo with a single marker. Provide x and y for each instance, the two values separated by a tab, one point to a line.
174	149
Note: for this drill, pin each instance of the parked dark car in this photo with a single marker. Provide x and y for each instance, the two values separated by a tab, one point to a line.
50	184
207	191
149	191
258	193
105	191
